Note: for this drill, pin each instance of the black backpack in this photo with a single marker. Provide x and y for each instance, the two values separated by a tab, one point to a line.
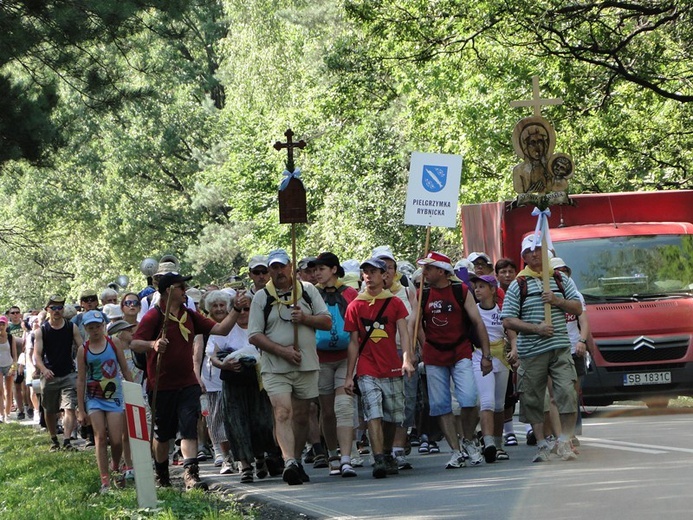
271	299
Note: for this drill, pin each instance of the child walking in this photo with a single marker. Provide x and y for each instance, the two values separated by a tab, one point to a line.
100	394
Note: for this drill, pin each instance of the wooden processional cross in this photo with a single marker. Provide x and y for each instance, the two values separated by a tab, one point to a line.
536	103
292	205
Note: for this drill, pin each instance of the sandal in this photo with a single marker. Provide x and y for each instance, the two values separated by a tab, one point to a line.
335	468
261	467
502	455
510	439
247	475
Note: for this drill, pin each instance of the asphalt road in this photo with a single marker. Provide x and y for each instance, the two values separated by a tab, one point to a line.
633	465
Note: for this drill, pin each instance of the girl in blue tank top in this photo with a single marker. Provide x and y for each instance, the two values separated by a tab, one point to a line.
100	394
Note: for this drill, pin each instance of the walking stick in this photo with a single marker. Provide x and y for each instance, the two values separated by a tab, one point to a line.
158	368
421	287
294	281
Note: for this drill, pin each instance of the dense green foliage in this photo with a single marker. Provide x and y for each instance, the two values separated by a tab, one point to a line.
129	131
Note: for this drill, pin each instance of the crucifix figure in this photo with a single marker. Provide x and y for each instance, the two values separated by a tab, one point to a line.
289	145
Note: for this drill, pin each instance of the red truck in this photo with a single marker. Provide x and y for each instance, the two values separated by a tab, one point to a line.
631	256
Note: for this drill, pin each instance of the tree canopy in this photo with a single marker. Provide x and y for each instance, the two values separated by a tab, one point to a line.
133	129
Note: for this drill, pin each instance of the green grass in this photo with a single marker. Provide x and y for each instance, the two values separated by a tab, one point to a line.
37	484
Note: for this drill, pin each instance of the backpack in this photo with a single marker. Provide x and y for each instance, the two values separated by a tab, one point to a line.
271	299
522	283
336	338
460	291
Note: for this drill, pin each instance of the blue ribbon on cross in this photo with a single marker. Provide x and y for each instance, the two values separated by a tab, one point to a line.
288	176
542	227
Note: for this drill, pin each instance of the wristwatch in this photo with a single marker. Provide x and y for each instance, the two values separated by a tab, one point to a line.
488	357
582	340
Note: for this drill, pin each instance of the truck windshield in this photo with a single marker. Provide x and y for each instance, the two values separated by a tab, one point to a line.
630	267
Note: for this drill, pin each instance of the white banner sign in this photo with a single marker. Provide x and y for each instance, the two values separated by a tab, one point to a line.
434	185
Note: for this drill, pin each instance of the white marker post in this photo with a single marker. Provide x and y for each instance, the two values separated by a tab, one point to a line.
138	431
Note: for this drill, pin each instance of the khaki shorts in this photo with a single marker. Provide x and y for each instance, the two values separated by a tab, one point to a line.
332	376
301	385
59	393
532	379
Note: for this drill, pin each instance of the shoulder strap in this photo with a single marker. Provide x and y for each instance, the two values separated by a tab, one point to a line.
377	318
268	307
460	291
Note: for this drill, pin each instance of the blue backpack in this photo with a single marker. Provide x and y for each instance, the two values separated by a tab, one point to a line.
336	338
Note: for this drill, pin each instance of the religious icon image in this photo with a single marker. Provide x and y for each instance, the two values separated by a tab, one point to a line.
533	140
541	171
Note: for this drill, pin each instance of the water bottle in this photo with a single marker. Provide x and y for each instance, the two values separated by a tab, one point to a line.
204	405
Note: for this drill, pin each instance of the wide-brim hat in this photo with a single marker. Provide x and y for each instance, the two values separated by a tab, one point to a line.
436	259
169	279
119	326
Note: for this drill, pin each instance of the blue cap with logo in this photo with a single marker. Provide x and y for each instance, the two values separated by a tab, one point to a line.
278	256
374	262
92	317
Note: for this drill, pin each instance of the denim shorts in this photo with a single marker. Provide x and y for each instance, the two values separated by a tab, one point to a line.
439	391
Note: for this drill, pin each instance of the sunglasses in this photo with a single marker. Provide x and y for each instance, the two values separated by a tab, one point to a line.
131	303
56	307
258	272
245	309
13	312
90	299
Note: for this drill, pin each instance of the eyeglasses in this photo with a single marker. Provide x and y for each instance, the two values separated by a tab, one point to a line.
56	307
258	272
245	309
13	312
90	299
131	303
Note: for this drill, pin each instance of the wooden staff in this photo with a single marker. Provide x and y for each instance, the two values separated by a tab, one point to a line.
159	356
294	281
545	268
421	286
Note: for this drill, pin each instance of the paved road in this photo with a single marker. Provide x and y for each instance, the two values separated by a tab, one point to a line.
632	465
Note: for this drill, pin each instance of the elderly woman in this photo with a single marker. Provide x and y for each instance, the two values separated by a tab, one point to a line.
247	410
218	304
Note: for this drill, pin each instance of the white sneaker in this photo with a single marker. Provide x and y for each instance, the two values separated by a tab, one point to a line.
402	462
474	452
543	454
357	462
456	461
226	467
565	451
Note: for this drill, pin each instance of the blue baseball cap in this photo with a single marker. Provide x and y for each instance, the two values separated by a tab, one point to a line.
92	317
374	262
278	256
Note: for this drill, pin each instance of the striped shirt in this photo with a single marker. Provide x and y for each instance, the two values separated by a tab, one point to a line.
529	345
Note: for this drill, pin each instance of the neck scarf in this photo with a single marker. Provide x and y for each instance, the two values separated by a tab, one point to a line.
184	331
382	295
290	301
526	271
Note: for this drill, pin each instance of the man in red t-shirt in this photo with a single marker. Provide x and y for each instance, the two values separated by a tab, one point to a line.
447	354
380	368
178	390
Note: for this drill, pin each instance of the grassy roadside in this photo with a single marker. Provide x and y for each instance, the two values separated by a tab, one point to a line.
37	484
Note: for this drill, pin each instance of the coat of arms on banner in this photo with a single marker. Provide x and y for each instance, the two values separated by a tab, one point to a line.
434	178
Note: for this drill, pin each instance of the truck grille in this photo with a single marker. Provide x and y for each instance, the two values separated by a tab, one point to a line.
644	349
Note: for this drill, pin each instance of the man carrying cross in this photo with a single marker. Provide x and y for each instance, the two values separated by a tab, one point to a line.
289	369
543	347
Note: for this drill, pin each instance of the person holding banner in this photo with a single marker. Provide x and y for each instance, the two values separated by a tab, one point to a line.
448	313
543	348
